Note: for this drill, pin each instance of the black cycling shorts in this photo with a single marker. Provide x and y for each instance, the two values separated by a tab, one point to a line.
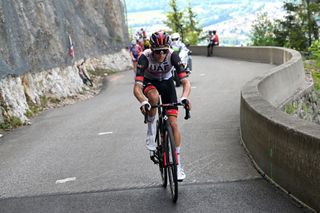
166	89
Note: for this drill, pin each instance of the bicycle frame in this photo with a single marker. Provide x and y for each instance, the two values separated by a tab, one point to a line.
162	125
165	155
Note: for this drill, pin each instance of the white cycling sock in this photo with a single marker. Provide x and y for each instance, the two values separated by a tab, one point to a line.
151	125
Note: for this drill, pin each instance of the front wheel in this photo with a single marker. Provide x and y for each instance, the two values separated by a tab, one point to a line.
171	162
160	151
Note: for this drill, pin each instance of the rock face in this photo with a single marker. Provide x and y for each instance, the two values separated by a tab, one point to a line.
34	35
35	43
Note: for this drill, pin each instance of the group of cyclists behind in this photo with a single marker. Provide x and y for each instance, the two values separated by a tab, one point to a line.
154	60
141	42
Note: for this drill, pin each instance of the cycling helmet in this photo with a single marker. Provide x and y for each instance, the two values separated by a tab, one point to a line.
159	40
175	37
133	42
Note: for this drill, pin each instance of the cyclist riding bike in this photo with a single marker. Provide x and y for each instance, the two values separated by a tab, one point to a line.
154	78
146	43
177	45
135	51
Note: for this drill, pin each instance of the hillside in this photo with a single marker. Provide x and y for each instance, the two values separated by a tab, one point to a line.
232	19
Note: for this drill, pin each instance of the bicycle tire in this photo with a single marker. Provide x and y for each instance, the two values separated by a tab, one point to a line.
171	162
160	151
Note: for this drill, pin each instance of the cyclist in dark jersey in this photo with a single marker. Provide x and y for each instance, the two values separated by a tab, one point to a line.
154	77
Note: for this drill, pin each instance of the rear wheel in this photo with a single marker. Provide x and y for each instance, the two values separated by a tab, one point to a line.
171	163
160	151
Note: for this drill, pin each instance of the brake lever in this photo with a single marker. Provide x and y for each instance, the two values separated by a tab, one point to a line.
187	114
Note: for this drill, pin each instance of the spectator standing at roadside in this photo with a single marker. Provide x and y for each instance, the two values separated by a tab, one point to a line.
215	38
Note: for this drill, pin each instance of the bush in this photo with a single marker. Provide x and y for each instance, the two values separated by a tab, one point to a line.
315	52
290	108
10	123
316	80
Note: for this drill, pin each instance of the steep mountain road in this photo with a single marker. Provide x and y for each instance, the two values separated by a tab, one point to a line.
91	156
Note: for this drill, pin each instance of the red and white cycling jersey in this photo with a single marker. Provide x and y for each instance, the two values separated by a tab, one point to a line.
148	68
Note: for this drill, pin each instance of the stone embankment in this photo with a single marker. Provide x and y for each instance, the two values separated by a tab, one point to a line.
23	96
306	107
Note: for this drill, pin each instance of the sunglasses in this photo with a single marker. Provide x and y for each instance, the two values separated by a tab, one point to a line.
162	52
175	39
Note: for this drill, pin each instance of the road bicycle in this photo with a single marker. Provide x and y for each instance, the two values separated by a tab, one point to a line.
165	155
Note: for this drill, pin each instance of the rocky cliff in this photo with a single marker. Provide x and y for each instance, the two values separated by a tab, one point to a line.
35	42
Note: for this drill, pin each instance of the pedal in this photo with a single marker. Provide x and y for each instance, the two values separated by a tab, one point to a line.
153	157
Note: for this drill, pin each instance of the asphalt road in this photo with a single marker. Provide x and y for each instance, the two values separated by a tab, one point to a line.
91	156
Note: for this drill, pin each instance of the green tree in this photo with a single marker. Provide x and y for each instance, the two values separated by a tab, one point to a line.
192	29
300	26
263	31
175	18
289	33
187	26
297	30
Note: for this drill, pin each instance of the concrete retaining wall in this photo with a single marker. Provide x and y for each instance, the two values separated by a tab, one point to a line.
285	149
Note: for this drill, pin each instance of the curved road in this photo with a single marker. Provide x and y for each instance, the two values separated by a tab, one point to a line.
91	156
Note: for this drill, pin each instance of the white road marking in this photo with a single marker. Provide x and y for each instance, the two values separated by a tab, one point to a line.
193	87
66	180
202	74
104	133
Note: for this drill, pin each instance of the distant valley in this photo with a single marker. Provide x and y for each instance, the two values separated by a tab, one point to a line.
231	18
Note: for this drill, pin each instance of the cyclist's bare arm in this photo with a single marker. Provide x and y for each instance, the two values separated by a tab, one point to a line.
137	89
186	88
